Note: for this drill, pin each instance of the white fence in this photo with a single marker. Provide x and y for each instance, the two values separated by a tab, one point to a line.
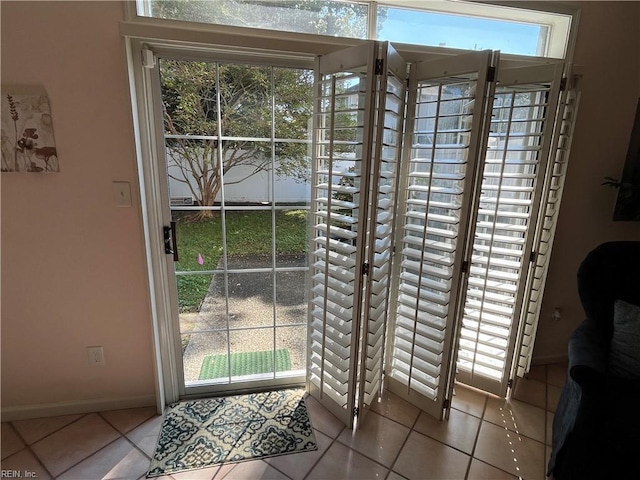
241	185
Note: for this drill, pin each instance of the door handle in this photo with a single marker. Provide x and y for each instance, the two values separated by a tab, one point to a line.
170	241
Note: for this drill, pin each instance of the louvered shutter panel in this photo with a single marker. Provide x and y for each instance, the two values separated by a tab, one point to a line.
340	180
388	127
421	265
446	103
548	219
522	123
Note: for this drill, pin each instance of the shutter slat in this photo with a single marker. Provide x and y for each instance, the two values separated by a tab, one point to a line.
336	259
340	232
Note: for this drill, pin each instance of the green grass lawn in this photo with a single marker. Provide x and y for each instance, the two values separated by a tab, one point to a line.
248	233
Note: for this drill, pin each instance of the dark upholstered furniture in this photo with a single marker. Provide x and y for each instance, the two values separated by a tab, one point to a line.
596	428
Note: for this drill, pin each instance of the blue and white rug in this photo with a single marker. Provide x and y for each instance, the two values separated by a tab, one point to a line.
202	433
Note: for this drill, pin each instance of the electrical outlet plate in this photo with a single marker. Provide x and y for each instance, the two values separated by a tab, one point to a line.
96	356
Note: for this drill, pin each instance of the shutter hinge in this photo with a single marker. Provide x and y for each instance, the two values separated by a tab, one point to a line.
356	412
491	74
465	266
563	84
446	403
510	383
532	256
365	268
379	66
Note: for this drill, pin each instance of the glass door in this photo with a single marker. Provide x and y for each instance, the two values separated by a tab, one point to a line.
236	150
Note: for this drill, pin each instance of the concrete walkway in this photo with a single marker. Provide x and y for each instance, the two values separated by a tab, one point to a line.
251	305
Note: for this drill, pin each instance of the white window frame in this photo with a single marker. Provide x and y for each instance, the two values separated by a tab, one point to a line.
202	40
560	40
535	13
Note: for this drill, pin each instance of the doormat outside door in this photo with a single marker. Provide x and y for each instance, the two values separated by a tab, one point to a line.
202	433
244	363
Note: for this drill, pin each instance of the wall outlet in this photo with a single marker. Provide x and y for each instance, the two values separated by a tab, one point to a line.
96	356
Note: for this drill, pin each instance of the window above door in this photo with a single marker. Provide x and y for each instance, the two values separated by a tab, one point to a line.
518	29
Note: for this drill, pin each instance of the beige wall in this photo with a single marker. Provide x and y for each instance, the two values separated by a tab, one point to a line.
73	268
608	49
73	264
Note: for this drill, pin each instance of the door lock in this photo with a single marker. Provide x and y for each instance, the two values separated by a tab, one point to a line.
170	241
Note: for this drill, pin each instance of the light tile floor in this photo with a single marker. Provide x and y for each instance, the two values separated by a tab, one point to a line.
485	438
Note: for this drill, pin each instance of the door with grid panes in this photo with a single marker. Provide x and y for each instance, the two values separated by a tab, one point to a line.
420	247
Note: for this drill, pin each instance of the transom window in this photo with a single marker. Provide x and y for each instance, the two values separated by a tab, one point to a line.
437	23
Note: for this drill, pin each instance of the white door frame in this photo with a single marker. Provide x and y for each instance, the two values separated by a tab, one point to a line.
148	145
148	126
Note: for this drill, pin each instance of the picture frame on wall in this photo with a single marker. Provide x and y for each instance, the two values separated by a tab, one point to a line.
27	139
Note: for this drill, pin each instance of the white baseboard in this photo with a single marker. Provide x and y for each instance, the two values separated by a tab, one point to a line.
549	359
11	414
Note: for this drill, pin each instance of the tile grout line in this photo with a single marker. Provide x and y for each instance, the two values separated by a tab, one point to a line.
28	448
127	439
411	429
333	440
87	457
443	443
130	430
215	476
120	435
315	464
482	419
475	443
519	432
33	452
364	454
82	415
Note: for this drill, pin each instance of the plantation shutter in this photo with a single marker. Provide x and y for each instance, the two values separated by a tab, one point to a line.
388	128
446	103
425	217
548	218
522	124
357	138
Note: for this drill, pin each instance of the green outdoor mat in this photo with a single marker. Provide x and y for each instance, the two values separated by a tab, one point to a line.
244	363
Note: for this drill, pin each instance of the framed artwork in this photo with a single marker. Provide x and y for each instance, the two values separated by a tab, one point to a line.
28	144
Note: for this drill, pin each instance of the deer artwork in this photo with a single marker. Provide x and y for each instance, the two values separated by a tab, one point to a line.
28	145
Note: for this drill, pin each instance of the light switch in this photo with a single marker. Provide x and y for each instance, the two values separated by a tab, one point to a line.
122	194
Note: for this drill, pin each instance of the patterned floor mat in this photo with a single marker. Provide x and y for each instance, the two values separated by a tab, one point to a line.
201	433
